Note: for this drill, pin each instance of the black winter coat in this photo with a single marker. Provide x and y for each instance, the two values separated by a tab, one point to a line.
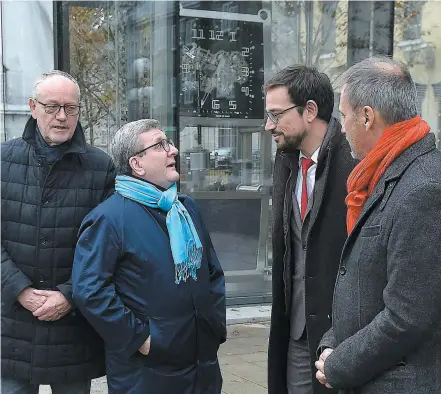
42	209
326	236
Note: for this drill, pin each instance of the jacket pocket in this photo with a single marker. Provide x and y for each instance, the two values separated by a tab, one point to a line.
172	342
156	380
370	231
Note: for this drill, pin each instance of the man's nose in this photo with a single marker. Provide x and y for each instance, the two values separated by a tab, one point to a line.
173	151
269	125
61	114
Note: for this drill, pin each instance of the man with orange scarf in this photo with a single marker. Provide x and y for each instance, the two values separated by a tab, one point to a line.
386	332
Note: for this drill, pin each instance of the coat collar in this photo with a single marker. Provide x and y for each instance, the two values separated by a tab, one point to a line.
329	146
78	141
399	165
394	171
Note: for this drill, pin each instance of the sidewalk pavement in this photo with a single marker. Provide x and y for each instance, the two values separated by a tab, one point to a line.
242	357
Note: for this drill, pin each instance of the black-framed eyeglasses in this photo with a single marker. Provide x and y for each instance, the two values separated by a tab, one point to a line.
163	144
69	109
275	118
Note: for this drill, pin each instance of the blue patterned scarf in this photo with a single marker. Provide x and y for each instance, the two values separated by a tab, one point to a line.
185	244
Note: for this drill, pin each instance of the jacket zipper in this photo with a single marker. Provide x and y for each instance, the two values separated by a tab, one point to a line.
37	252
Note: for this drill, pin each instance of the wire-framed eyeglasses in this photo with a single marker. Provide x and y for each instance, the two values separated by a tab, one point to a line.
163	144
69	109
275	118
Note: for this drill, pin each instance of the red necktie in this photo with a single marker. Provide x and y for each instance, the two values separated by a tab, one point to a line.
306	164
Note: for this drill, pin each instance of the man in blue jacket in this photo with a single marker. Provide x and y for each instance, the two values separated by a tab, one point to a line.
146	275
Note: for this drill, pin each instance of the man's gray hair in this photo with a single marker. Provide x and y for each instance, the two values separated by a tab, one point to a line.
50	74
383	84
126	143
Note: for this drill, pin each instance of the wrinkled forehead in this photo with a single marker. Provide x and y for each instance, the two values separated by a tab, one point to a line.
57	86
152	136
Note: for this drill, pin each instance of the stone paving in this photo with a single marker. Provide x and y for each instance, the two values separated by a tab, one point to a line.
242	359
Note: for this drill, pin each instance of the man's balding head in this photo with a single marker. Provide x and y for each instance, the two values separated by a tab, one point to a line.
383	84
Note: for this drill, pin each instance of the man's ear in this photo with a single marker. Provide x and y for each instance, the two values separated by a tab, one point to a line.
136	166
369	117
32	106
312	108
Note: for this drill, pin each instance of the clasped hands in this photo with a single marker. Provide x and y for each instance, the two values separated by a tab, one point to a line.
47	305
320	365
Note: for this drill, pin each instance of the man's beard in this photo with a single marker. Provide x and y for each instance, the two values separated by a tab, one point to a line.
292	143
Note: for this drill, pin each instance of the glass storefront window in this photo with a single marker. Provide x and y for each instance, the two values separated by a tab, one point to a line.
23	59
120	54
417	34
198	67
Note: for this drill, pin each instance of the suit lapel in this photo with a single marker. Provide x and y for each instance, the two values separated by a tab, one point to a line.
370	203
319	191
292	160
296	210
373	199
323	166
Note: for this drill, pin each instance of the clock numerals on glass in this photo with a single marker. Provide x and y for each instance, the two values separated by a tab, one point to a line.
215	104
221	68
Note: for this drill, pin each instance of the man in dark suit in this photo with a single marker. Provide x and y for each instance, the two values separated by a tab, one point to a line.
386	333
312	165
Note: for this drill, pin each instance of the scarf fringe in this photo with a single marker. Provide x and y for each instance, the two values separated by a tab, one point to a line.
189	267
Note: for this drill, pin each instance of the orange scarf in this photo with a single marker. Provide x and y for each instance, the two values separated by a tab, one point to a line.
365	176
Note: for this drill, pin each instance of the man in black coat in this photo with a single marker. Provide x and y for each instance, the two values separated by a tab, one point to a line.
51	179
312	165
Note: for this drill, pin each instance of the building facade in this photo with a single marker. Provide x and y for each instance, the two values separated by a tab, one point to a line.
199	67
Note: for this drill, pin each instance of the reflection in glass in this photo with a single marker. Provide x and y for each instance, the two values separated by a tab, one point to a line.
120	54
417	34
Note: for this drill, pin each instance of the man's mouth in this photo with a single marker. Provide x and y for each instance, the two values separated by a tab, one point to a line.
276	136
59	127
171	165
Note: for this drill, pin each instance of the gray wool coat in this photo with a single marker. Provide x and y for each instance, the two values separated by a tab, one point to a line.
386	328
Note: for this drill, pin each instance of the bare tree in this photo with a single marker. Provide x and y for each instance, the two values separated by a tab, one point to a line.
94	63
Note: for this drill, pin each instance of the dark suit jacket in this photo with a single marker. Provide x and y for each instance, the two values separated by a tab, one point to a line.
387	300
324	242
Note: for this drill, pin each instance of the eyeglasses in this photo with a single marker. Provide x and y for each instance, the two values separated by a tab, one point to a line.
275	118
69	109
163	144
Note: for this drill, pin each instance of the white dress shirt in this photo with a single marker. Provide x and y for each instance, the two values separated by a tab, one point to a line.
310	180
